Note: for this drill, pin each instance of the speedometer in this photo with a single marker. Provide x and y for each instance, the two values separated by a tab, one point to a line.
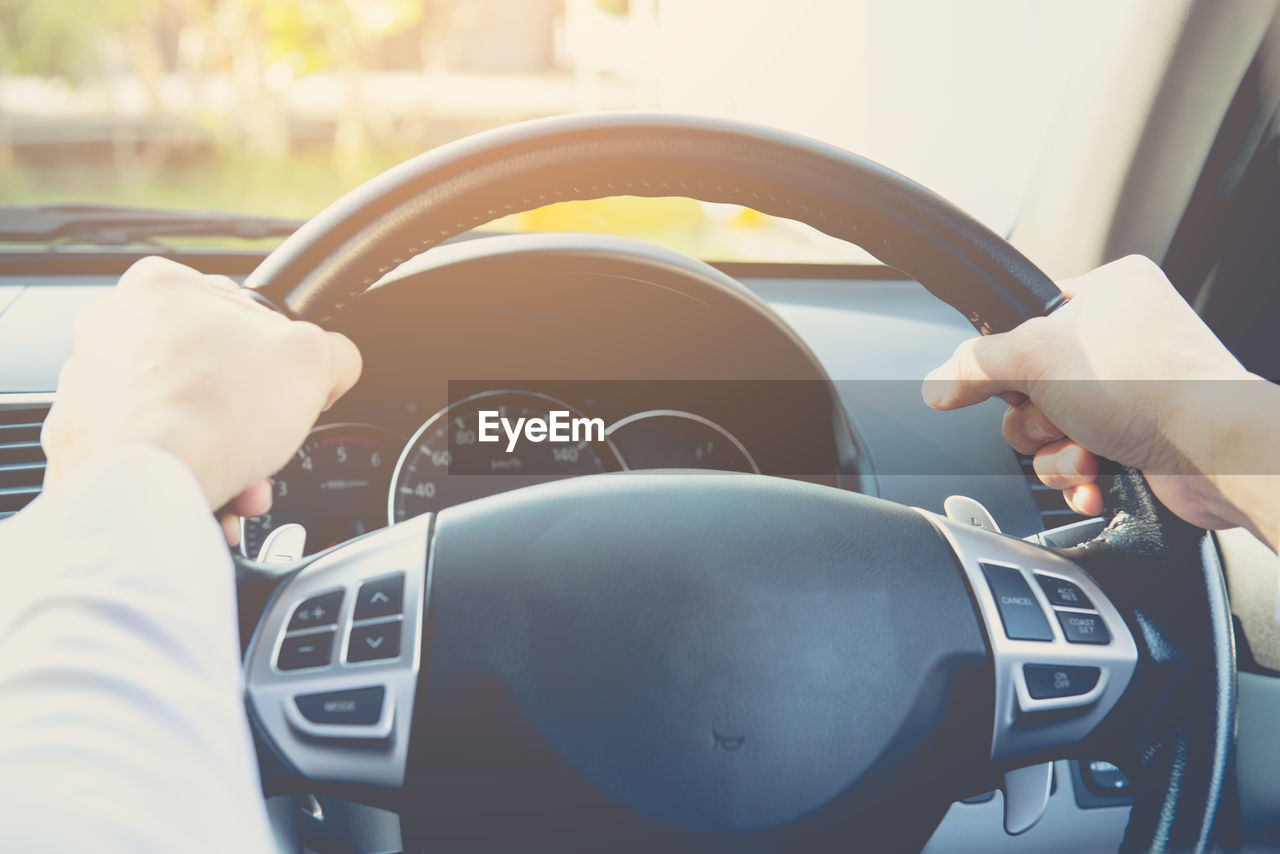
446	462
334	487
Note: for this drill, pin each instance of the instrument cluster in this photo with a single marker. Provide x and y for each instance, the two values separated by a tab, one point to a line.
352	477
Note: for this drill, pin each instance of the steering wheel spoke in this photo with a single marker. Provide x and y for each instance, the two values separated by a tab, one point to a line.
1061	651
332	670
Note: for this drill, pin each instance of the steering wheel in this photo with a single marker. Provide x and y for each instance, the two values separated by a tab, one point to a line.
723	662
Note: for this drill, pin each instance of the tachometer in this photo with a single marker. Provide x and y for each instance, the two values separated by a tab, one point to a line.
335	486
446	462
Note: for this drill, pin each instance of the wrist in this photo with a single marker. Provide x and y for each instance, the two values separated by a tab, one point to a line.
140	459
174	434
1230	444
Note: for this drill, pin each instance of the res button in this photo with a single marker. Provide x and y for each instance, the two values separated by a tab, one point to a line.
1059	591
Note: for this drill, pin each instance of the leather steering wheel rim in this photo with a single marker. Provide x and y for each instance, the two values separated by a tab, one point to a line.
1182	759
459	186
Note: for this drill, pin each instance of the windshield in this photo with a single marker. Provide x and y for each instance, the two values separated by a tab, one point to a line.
277	107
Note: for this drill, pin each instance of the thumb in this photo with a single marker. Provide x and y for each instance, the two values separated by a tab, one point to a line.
345	365
980	368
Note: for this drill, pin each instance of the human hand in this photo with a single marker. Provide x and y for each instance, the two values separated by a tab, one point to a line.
190	364
1125	370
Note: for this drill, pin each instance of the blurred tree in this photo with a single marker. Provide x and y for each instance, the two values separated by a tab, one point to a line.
338	35
65	40
262	44
237	32
49	39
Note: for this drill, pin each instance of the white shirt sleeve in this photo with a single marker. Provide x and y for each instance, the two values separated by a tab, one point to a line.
122	720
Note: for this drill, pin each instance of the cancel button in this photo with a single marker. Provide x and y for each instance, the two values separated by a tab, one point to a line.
1019	610
360	706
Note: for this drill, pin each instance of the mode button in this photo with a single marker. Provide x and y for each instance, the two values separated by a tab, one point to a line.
360	706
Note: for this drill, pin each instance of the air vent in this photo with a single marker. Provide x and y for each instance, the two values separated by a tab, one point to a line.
1054	512
21	457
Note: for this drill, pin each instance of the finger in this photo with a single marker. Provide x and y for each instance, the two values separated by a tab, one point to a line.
228	288
230	524
345	365
1013	398
153	270
1065	465
1027	429
222	283
1085	499
253	501
979	368
1068	287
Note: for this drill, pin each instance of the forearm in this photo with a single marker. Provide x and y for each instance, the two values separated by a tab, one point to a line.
120	683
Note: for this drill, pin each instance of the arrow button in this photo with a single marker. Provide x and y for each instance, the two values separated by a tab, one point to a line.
381	597
374	642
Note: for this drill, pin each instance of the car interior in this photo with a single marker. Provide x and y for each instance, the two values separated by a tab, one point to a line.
777	603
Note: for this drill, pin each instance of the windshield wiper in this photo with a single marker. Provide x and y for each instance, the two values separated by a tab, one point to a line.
111	225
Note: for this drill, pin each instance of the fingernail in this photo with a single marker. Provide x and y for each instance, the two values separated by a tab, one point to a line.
935	388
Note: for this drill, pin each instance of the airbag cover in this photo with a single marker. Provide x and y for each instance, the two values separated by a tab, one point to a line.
720	652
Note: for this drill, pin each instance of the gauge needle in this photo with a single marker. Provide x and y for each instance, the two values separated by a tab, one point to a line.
283	545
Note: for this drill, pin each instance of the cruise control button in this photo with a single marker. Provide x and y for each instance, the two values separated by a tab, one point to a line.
355	707
1063	592
299	651
1050	681
317	611
372	643
382	597
1083	628
1019	610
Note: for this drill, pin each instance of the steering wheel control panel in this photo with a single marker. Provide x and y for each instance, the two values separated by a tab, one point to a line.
1059	646
1061	651
332	670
